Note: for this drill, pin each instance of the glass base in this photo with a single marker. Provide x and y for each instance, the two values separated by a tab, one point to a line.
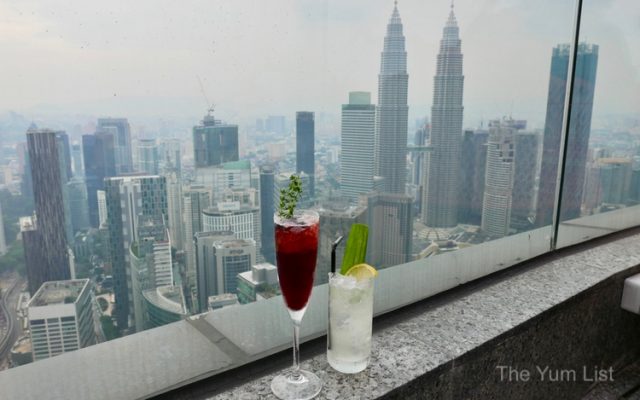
286	387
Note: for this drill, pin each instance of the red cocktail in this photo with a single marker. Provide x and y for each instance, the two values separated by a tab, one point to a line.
296	250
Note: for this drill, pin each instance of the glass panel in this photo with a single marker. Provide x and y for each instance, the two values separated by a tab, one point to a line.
439	127
602	176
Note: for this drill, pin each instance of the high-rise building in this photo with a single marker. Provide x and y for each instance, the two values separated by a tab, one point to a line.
78	203
232	257
150	263
357	143
419	140
171	155
206	275
26	183
579	131
99	163
102	207
390	220
472	174
128	199
230	175
148	156
442	183
634	186
267	209
50	241
61	318
64	155
214	143
195	199
121	131
259	283
615	180
242	219
3	242
392	112
305	147
500	171
524	180
37	274
174	203
76	155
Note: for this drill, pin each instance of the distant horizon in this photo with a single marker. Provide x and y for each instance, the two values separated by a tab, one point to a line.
264	69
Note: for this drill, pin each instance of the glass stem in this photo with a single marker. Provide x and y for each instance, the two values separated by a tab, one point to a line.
295	374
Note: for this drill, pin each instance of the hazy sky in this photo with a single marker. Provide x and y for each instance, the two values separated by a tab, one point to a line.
142	58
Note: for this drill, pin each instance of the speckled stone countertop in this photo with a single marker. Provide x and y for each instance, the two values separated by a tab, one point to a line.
445	330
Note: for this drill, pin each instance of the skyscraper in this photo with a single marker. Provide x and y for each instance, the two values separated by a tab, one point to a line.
76	155
500	170
419	140
242	219
441	191
267	208
171	155
392	111
473	163
121	131
150	262
102	207
64	160
128	199
64	155
390	220
78	204
50	242
3	243
148	157
305	146
232	256
214	143
206	276
61	318
524	180
357	142
99	163
174	203
34	261
579	130
195	199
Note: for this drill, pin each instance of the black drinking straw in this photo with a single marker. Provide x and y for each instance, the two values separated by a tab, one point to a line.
333	253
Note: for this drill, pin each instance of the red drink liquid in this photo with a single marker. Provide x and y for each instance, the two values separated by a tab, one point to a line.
296	250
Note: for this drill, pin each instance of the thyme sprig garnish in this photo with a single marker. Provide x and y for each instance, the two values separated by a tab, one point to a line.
289	197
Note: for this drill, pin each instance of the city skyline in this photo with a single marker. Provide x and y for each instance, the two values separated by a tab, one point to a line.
184	224
146	97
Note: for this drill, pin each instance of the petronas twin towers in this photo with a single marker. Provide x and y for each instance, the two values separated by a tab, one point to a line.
442	166
392	112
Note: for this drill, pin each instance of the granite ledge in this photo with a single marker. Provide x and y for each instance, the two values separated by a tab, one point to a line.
427	336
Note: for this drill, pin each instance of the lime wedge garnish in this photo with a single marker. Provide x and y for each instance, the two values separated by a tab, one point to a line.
362	271
356	249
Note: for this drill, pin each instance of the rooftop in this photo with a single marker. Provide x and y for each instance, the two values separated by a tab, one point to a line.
168	298
58	292
235	243
27	223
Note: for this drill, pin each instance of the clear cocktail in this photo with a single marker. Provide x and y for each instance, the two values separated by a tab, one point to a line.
350	323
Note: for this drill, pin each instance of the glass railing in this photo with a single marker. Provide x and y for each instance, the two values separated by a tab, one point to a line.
498	132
